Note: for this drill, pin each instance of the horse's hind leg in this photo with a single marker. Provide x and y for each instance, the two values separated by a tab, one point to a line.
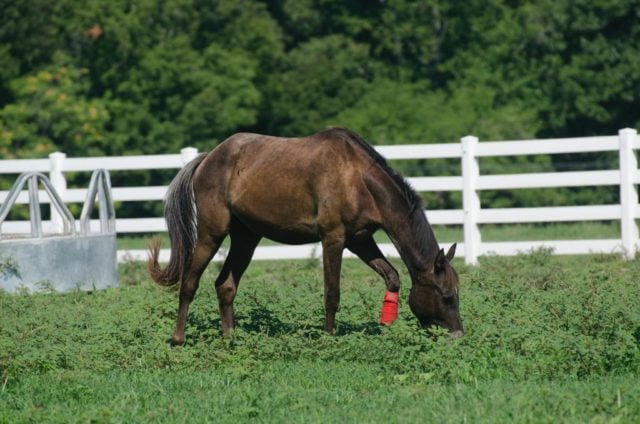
206	246
332	247
243	244
368	251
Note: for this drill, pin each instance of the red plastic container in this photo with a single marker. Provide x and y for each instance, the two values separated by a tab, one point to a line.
389	311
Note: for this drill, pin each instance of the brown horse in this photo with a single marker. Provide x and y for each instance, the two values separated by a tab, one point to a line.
331	187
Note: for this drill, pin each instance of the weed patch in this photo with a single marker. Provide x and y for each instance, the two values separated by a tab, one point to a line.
533	324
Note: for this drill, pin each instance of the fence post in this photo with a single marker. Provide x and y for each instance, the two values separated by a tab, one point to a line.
470	199
188	154
59	183
628	192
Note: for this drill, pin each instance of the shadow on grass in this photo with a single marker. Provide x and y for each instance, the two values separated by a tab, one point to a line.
261	320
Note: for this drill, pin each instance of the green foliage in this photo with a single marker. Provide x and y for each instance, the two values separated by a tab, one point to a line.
8	267
565	60
94	78
322	76
190	97
421	114
51	111
535	324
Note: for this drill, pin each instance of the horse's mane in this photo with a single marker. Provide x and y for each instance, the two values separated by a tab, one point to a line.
414	201
416	217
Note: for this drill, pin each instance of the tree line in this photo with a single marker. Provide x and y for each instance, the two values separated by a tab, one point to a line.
151	76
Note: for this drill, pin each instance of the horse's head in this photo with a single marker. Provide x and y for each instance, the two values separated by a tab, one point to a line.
434	295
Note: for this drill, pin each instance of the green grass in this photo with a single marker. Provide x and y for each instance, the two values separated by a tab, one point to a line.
453	233
531	232
547	339
314	392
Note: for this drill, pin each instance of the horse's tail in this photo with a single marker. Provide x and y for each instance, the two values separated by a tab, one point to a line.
180	213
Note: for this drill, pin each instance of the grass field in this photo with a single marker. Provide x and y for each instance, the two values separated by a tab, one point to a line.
453	233
547	339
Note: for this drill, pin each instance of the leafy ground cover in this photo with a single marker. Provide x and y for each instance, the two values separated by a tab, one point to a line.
547	338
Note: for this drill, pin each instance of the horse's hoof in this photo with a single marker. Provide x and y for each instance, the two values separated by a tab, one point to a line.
176	341
456	334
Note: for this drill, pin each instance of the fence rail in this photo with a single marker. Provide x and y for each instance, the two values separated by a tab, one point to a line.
471	182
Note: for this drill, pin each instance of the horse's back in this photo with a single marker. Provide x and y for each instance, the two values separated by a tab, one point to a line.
260	159
287	189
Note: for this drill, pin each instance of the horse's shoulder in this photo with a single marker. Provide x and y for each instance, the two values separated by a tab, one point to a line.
337	142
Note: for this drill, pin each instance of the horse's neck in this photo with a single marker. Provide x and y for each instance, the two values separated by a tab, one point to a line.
406	225
414	240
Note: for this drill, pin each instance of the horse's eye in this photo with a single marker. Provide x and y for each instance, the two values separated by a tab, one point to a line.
449	300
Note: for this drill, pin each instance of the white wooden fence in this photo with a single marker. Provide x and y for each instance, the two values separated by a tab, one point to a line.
469	150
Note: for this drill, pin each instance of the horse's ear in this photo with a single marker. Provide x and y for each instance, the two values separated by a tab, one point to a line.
452	252
441	260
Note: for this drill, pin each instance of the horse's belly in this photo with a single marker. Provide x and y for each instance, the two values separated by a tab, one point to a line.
290	232
291	221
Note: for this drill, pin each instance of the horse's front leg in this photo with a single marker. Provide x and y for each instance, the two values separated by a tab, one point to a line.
332	247
370	254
